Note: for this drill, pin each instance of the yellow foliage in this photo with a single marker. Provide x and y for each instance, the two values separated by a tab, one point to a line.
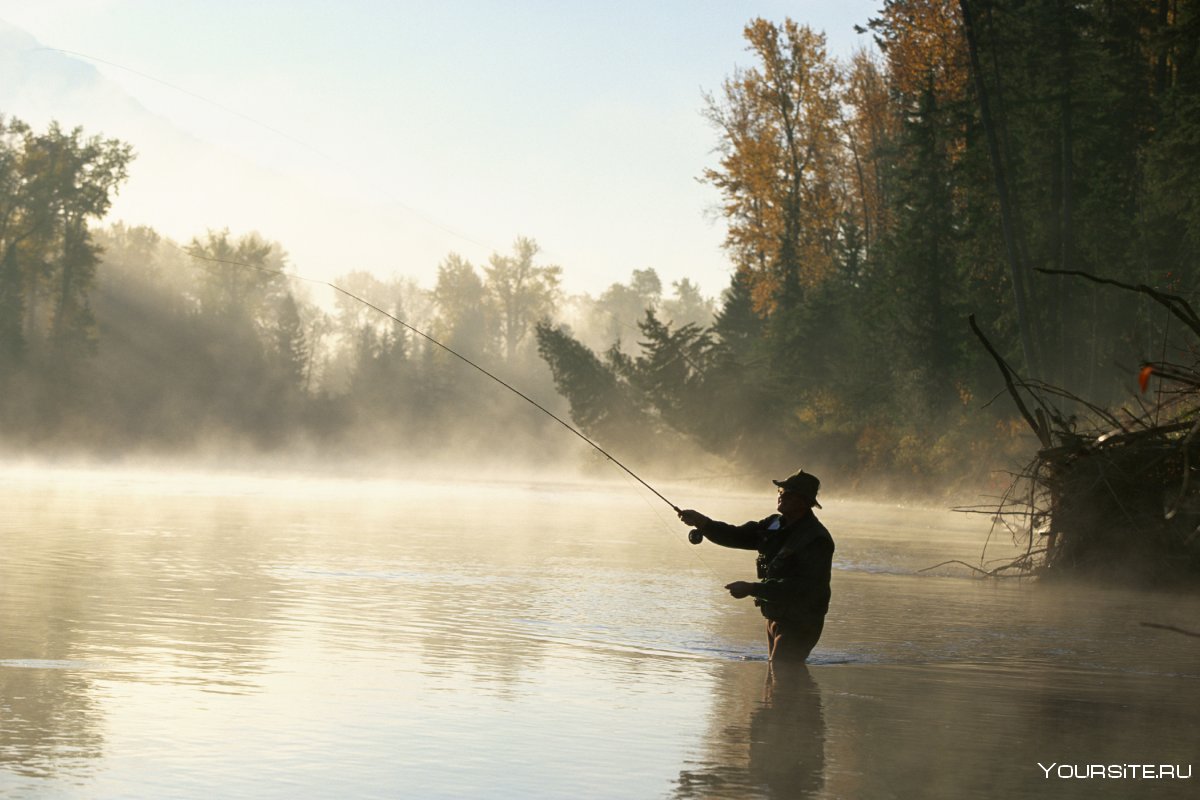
782	159
869	124
874	446
965	395
925	47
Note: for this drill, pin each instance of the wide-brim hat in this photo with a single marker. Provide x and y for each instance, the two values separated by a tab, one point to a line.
802	483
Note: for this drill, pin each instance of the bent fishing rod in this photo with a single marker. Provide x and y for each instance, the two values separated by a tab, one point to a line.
448	349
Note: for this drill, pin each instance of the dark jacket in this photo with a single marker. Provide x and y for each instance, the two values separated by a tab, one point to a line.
794	562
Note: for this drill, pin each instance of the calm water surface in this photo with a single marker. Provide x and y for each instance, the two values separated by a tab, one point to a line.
197	636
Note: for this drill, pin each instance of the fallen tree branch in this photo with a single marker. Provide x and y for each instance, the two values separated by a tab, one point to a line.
1174	303
1007	372
998	572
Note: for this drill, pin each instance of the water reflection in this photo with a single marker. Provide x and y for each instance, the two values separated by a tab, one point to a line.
772	747
49	722
979	731
179	639
101	589
787	734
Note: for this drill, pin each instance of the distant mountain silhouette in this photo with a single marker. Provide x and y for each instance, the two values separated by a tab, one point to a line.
39	84
182	185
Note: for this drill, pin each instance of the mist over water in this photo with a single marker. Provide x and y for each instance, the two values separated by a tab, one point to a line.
190	635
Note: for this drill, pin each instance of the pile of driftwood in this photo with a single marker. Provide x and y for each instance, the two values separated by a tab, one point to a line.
1110	495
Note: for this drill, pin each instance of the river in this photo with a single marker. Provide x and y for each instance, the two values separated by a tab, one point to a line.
174	634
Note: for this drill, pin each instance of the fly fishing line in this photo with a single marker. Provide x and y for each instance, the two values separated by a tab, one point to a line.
349	294
444	347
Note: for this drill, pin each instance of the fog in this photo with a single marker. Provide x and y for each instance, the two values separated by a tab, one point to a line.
207	355
837	341
200	633
349	485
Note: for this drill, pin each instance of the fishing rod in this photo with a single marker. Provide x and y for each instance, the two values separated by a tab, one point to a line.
448	349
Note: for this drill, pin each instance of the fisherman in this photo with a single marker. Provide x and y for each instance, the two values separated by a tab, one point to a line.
795	558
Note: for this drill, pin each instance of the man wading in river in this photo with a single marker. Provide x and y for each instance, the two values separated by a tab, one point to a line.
795	558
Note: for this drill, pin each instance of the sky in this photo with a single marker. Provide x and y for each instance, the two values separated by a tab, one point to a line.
386	135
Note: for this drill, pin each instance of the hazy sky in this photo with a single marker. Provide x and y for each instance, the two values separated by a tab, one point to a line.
384	135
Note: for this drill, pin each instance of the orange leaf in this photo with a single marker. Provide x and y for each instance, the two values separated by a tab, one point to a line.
1144	377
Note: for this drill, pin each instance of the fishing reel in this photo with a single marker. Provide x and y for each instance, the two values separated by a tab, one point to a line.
695	536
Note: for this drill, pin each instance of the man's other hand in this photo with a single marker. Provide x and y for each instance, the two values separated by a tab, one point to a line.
739	589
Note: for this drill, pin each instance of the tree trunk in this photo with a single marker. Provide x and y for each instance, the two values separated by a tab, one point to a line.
66	285
12	305
1066	257
1008	227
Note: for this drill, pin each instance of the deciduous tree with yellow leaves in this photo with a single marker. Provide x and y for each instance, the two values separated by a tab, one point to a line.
781	160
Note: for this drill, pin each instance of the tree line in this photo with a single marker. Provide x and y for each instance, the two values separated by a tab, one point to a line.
114	338
983	151
971	161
